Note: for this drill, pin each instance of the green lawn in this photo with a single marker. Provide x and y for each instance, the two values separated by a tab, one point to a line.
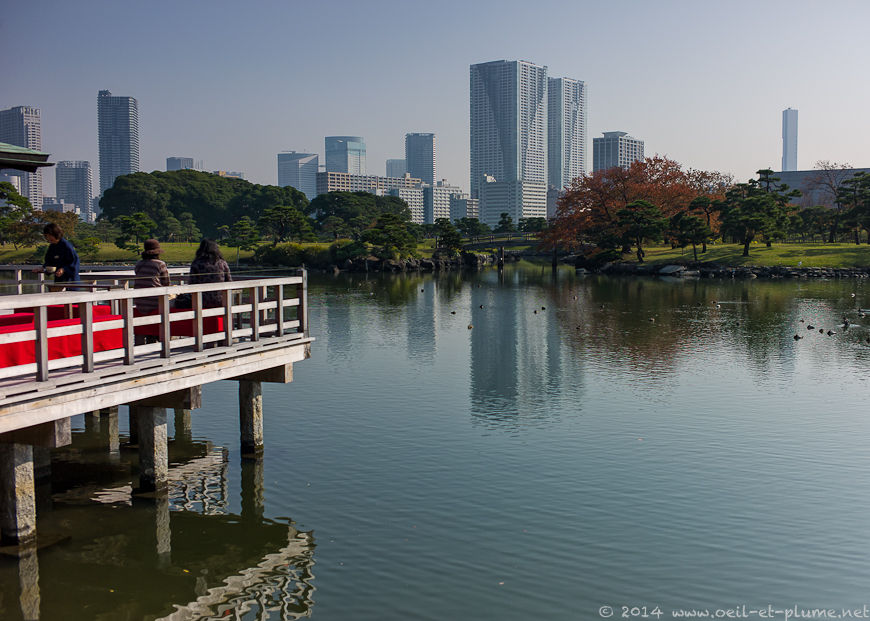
173	253
808	255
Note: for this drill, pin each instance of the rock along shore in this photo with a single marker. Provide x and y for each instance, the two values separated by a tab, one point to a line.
714	270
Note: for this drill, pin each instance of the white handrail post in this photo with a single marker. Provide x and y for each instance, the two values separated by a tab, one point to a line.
128	331
255	313
87	321
40	322
279	310
20	285
164	331
301	294
227	299
197	319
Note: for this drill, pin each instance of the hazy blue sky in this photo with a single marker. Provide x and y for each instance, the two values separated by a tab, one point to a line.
234	83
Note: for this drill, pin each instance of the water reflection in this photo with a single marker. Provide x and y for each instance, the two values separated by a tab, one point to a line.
178	554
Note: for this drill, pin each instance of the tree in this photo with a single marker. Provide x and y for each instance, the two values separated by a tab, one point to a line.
472	227
688	229
505	223
532	225
283	222
133	229
640	220
243	235
825	188
189	230
15	209
855	192
757	208
391	237
449	238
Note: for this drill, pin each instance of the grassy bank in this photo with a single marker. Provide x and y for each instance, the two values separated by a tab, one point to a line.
807	255
786	255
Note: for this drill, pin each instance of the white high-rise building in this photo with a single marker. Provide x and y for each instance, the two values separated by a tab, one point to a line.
509	128
414	198
299	170
567	131
22	126
420	156
118	136
74	186
436	200
615	149
789	139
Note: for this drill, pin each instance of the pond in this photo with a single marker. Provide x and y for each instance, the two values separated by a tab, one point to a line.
492	445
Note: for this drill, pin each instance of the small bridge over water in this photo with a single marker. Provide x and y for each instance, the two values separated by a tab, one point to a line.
69	353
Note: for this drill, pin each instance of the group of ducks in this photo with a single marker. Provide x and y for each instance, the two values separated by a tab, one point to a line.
846	323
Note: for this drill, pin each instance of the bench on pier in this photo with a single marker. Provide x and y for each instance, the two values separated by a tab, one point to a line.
64	339
178	327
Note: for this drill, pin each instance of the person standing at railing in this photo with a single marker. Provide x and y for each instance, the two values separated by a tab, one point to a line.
61	258
150	272
208	266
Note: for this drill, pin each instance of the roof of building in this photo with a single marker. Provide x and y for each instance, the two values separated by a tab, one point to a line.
21	158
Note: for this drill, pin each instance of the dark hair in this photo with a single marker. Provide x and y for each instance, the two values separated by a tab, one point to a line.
208	251
53	229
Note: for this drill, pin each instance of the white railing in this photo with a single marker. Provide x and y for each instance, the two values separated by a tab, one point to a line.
252	309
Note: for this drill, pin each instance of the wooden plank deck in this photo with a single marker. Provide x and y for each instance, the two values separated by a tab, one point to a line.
265	326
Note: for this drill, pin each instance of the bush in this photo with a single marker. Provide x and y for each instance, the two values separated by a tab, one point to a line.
292	255
346	249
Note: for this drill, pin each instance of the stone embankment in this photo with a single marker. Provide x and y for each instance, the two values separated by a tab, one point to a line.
714	270
465	260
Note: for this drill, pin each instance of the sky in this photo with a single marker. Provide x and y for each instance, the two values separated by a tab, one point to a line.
234	83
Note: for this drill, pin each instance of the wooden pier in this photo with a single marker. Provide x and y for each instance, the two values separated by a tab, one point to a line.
90	352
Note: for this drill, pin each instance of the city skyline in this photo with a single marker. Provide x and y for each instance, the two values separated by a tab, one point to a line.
684	84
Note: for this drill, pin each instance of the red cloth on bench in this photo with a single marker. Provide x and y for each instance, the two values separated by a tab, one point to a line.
24	352
15	319
210	325
58	311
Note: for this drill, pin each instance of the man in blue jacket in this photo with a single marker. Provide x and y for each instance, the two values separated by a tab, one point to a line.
60	255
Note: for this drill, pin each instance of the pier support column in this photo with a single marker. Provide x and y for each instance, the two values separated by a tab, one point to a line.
109	426
28	582
17	494
153	448
134	424
183	427
251	417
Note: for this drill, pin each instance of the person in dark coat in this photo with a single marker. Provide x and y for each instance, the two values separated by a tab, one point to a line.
208	266
61	257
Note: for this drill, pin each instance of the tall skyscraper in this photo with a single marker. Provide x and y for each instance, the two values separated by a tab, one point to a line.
118	135
299	170
346	154
789	139
420	156
509	139
22	126
615	149
74	185
396	168
179	163
566	140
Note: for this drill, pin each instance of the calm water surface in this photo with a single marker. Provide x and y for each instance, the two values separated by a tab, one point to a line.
590	441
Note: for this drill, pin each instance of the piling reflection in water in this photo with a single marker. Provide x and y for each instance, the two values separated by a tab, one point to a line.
179	554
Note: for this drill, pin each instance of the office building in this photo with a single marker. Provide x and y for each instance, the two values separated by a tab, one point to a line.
509	131
396	168
229	174
615	149
345	182
179	163
118	136
22	127
346	154
818	186
52	203
299	170
566	140
436	200
420	156
461	206
74	186
414	198
789	139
